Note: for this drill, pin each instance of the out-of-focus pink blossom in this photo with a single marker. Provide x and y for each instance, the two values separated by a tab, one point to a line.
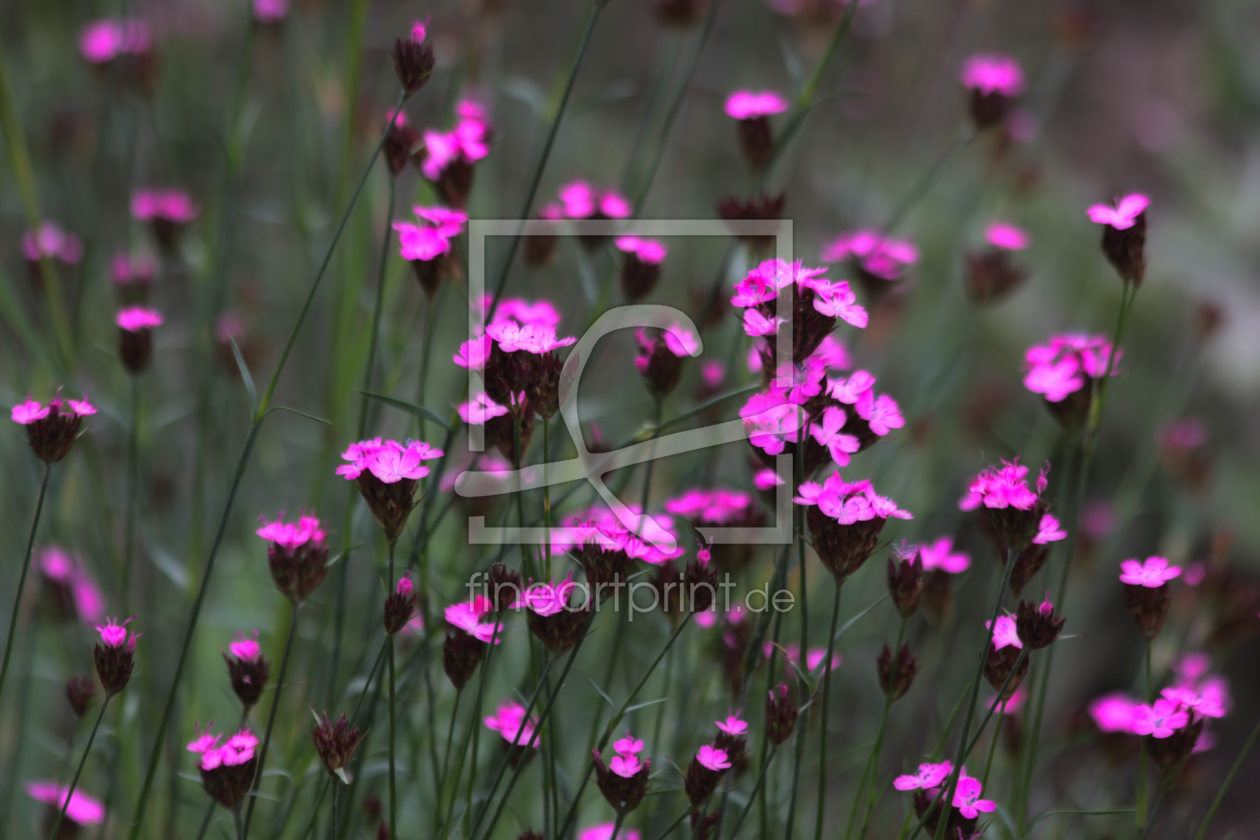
136	318
63	568
1121	215
1113	712
509	721
101	41
81	810
647	250
748	104
940	554
1048	531
1159	720
51	241
169	205
270	11
876	254
993	73
1007	236
246	648
1012	704
1152	573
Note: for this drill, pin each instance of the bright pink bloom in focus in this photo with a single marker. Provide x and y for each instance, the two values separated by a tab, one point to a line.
82	810
928	776
1048	531
828	434
1002	487
1123	215
1153	573
115	635
967	797
467	617
993	73
246	649
748	104
713	758
1160	720
291	535
1005	633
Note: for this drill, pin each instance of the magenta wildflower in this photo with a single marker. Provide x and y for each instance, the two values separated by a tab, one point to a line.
1005	633
734	724
994	81
1063	371
623	782
704	773
466	641
747	104
580	200
1113	712
270	12
169	211
336	742
509	721
427	245
298	556
52	242
1006	236
1012	704
604	831
135	336
447	158
928	776
551	617
967	797
1159	720
1124	235
1153	572
992	274
878	261
74	592
641	266
114	655
52	429
248	669
227	771
132	277
845	520
660	357
1000	662
388	474
400	605
1146	592
1012	513
102	41
413	58
81	810
752	109
1038	625
940	554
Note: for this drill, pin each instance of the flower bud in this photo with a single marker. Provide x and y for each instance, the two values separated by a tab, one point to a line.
905	579
461	653
781	715
895	676
248	670
1027	563
400	140
114	655
550	616
413	59
625	783
991	275
1037	625
135	336
761	207
938	597
298	556
1001	662
505	587
703	774
227	771
1149	607
640	267
336	743
52	429
400	606
80	691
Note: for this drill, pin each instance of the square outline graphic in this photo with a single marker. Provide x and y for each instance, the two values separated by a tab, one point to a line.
479	229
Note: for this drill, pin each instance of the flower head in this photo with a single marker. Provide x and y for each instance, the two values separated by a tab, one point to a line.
81	809
993	73
928	776
136	318
733	725
336	743
298	555
1114	712
940	554
114	655
967	797
1159	720
509	721
52	242
1007	237
1122	214
1005	633
52	429
747	104
1151	573
101	41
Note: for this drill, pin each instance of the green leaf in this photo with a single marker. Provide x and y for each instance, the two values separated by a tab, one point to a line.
601	693
300	414
414	410
245	377
638	706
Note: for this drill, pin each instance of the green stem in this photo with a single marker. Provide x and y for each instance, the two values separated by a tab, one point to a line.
271	716
621	817
997	732
430	324
761	778
1099	404
389	658
205	823
597	6
74	783
236	821
674	824
472	733
376	313
446	762
26	565
1229	780
820	807
1139	811
133	480
332	828
872	766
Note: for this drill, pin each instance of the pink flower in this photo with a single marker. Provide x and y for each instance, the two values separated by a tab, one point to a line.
941	555
1003	487
1048	531
1202	704
229	327
546	598
848	503
291	535
626	766
1060	367
28	411
772	427
733	725
766	479
448	222
124	269
757	324
876	254
68	571
833	354
474	353
681	341
102	41
1191	667
246	649
929	776
136	318
481	410
881	414
711	507
713	758
1006	236
115	635
1005	633
167	204
1113	712
270	11
993	73
421	243
1153	573
967	797
467	617
628	745
851	390
815	656
1123	215
713	373
237	750
82	810
1160	720
1055	381
509	721
647	250
419	30
467	142
52	242
540	313
604	831
580	200
392	465
747	104
532	338
828	434
837	300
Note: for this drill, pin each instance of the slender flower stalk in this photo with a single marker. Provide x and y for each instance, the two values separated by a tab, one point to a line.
871	773
819	811
133	480
393	729
1139	810
74	783
260	414
1229	780
26	566
271	716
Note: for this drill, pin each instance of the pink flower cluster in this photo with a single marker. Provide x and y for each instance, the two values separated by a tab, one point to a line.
650	251
509	721
467	616
940	554
748	104
101	41
993	73
710	507
872	252
581	200
758	290
468	142
1194	695
1004	486
388	460
69	572
432	237
931	777
848	503
599	526
1066	364
236	750
29	411
626	763
52	242
170	205
82	809
136	318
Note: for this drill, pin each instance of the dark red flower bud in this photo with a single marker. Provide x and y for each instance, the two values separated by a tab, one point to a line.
623	793
1037	625
400	606
699	585
701	779
391	504
760	207
372	808
298	570
938	597
781	715
1027	563
229	784
115	656
136	348
1126	250
543	389
454	185
736	749
80	691
756	141
638	277
461	653
661	366
895	676
905	579
336	743
843	549
382	831
52	435
413	63
1148	606
1001	662
400	141
505	587
560	630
